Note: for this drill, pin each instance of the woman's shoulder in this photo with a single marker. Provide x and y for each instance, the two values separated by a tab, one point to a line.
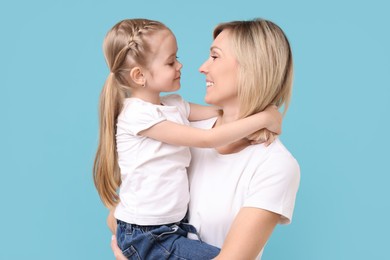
279	159
277	149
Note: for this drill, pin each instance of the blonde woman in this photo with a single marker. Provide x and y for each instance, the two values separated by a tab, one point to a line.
240	192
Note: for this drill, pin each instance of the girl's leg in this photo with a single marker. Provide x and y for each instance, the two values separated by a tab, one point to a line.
162	242
174	244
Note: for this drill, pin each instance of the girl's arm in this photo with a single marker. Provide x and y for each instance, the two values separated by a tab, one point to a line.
182	135
199	112
248	234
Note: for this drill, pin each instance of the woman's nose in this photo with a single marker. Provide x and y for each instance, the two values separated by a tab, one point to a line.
203	67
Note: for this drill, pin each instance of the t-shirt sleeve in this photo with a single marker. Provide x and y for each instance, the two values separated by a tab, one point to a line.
177	101
274	188
139	117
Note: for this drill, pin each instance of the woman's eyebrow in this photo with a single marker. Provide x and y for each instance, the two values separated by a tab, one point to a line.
215	48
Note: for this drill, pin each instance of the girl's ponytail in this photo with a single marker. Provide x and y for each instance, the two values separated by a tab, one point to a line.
106	173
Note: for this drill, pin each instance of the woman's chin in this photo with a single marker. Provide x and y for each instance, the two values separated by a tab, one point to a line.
208	100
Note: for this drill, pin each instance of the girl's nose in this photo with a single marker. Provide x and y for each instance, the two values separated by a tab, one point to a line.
180	66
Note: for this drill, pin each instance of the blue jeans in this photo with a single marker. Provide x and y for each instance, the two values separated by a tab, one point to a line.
162	242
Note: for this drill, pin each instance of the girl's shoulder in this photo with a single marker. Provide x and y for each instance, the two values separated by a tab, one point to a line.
172	100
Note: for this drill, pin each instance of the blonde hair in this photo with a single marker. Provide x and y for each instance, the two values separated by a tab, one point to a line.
265	73
126	45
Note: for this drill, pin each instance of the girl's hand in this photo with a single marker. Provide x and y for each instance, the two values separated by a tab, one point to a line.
115	248
274	127
270	137
274	119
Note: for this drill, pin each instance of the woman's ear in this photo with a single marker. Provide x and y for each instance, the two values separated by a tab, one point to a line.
137	76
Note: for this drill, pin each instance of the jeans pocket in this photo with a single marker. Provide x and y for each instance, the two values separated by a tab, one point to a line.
131	253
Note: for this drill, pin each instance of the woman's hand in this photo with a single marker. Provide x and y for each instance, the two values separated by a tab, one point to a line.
115	248
111	223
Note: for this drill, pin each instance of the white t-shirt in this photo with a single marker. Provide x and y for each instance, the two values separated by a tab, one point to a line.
220	185
154	189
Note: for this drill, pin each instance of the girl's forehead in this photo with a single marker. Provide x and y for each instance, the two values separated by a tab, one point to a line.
163	37
163	44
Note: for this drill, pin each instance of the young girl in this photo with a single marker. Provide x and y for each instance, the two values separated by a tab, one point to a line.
144	139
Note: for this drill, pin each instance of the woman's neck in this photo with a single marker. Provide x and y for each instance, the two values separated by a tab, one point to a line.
229	116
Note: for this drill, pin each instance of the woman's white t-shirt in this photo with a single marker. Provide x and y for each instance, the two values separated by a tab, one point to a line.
220	185
154	189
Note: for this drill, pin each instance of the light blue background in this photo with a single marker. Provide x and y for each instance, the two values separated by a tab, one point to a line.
52	70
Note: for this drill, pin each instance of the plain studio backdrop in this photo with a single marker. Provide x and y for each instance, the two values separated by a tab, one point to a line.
52	70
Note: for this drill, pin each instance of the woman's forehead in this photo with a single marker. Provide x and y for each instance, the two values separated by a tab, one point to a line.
222	42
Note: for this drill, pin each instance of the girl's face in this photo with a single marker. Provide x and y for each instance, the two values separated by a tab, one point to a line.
163	73
221	70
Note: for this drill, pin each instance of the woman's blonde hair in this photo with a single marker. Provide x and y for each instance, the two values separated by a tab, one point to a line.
265	73
126	45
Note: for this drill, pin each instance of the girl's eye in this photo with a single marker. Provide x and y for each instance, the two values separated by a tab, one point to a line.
173	62
213	57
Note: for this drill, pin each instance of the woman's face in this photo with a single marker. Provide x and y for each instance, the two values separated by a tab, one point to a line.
221	70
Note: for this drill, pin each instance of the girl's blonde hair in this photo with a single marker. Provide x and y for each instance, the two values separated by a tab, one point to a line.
126	45
265	73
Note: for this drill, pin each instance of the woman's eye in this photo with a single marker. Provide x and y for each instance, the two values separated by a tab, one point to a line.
213	57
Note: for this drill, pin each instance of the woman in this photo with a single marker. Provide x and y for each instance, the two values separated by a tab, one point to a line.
240	192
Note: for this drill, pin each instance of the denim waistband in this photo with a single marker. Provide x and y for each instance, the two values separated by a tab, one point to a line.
142	227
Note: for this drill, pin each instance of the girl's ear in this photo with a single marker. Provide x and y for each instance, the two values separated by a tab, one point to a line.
137	76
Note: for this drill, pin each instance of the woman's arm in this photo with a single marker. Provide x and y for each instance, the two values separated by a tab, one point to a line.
248	234
111	221
182	135
116	250
199	112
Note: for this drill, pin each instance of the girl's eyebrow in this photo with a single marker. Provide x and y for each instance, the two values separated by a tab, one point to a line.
170	56
173	55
